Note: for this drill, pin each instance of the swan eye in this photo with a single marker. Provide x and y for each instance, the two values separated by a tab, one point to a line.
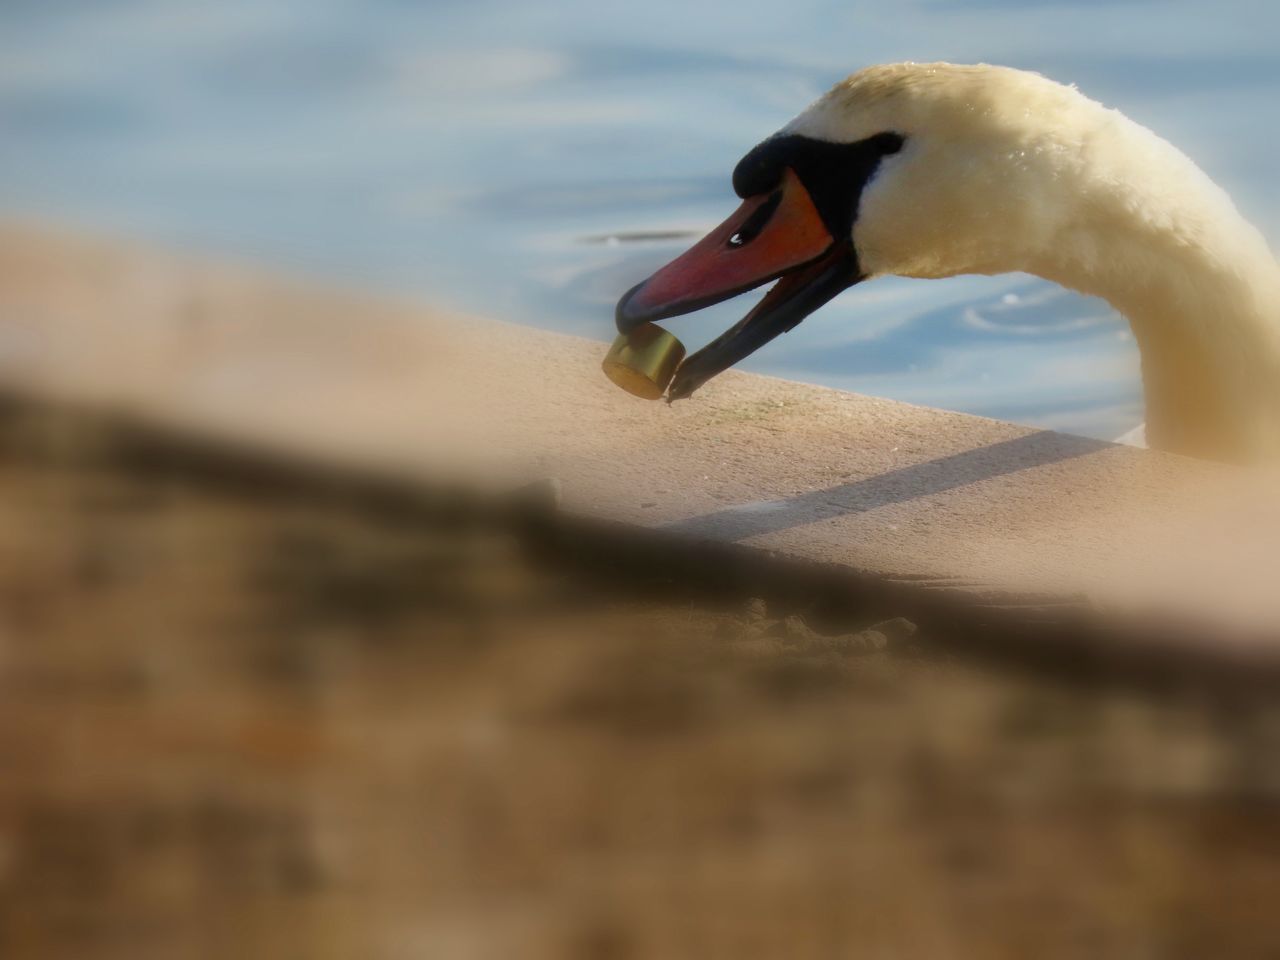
832	173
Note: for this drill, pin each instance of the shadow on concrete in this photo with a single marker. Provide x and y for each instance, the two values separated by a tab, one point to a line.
897	486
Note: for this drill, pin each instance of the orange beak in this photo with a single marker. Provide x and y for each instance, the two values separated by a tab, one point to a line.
765	237
778	234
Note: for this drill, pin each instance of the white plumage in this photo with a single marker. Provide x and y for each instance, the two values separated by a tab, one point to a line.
1005	170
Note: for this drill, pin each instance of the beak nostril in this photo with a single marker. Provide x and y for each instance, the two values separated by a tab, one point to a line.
755	223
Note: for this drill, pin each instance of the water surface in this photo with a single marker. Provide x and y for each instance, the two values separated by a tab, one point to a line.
532	161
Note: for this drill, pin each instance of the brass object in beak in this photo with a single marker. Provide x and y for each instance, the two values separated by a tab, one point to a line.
643	361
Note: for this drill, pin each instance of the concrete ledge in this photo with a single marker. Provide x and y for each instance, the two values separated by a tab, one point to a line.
1025	527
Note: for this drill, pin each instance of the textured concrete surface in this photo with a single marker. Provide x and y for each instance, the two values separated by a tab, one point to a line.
257	724
998	512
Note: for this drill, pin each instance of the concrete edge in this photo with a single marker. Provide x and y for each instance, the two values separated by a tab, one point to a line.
1071	641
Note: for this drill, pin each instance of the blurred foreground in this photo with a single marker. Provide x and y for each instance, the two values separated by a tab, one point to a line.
245	720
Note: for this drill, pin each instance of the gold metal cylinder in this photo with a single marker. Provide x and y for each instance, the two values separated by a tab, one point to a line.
643	361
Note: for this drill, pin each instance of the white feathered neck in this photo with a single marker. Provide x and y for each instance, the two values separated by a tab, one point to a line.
1005	170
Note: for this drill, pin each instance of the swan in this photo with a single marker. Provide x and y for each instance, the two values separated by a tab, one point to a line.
934	170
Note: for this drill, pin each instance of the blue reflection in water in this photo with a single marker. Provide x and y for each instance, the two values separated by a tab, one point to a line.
532	161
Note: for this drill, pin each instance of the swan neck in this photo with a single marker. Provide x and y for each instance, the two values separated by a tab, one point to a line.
1206	319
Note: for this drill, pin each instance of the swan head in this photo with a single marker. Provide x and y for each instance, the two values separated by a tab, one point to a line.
917	170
